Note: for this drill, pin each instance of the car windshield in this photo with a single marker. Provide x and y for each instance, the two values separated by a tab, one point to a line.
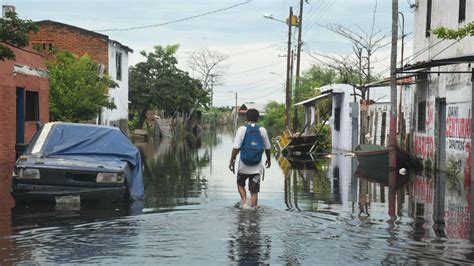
40	138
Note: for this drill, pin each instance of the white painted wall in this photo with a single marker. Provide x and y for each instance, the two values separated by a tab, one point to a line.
456	89
381	96
346	166
119	94
342	139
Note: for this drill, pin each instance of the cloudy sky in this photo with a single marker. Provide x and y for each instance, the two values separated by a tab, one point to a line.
257	46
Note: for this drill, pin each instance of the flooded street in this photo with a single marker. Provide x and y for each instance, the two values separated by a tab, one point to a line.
322	212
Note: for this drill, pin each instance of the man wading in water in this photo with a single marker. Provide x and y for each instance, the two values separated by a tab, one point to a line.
250	140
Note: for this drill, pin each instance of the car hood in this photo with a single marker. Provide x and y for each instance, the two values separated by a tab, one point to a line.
82	163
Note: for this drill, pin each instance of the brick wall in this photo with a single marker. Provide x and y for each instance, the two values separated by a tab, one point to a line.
76	40
8	84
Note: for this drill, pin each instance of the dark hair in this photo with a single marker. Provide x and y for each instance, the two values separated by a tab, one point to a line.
252	115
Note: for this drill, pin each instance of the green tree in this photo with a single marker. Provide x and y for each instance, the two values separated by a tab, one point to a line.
158	83
77	93
455	34
274	119
14	32
314	78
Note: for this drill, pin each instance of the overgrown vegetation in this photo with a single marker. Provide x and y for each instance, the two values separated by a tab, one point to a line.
14	31
76	93
158	83
455	34
274	120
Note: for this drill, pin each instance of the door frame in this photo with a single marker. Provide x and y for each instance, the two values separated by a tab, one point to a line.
20	115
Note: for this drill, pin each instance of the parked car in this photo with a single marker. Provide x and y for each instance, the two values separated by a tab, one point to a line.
80	162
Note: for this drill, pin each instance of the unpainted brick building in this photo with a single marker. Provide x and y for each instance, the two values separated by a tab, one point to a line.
111	56
24	102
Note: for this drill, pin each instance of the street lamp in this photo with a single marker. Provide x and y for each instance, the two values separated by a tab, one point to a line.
270	16
279	75
291	21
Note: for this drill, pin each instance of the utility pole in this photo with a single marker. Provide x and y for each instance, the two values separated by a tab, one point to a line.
393	113
292	66
400	120
212	89
359	50
298	63
236	116
288	64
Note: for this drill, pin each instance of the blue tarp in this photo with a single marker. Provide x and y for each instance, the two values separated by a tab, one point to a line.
98	143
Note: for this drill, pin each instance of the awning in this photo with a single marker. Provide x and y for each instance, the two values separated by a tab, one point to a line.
438	62
315	99
401	80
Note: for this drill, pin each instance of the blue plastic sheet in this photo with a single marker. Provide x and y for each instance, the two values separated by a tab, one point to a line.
99	143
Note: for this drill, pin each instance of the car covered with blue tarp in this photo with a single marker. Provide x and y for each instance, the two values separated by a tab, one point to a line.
88	162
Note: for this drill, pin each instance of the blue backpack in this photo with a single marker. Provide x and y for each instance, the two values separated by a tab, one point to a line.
251	149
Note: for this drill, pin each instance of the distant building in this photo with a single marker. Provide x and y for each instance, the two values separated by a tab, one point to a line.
261	108
24	103
111	56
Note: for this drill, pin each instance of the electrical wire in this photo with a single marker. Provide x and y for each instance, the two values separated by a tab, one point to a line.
252	69
328	6
251	51
251	83
266	95
178	20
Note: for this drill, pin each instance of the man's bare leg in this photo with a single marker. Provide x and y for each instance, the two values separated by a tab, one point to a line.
243	194
253	199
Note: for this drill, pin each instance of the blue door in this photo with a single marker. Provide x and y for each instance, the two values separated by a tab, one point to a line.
20	115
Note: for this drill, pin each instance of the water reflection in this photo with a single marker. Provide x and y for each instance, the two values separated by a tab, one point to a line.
433	210
323	211
247	244
173	170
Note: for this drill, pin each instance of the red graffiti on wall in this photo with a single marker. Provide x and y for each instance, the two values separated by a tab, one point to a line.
424	146
422	190
467	175
458	127
458	222
429	114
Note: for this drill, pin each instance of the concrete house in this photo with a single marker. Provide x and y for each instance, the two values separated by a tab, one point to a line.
442	99
111	56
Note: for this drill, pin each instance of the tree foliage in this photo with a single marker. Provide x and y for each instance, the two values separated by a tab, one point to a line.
158	83
14	31
77	93
314	78
274	119
455	34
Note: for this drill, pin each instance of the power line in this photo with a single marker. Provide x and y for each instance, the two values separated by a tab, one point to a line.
251	51
178	20
266	95
252	69
252	83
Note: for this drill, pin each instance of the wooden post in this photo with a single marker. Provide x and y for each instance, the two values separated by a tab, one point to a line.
288	81
393	113
298	63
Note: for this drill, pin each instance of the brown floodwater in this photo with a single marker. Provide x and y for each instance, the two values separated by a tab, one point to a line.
311	212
